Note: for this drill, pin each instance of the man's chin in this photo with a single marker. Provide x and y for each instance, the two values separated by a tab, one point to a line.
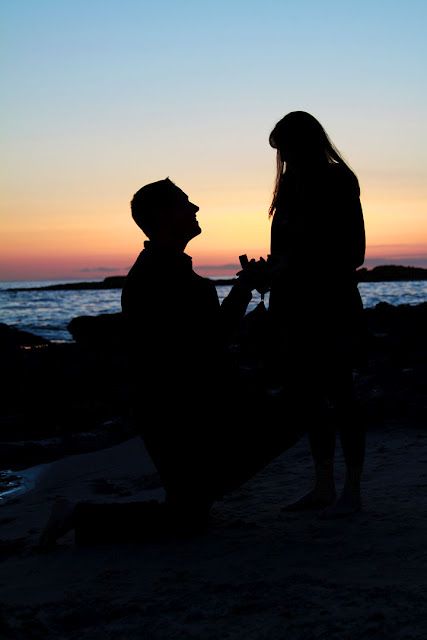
195	231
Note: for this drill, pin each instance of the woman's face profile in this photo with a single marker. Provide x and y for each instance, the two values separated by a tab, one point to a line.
300	148
291	152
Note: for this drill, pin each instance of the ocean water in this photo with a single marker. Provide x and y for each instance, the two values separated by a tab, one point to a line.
14	483
47	313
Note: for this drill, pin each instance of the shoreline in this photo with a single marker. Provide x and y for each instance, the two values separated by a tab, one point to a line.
16	483
85	396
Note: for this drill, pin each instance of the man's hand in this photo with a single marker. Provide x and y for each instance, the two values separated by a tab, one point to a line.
255	274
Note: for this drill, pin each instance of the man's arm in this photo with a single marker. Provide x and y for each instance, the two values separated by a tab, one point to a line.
234	306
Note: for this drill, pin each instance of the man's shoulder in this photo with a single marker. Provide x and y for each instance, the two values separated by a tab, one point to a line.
143	265
203	282
139	279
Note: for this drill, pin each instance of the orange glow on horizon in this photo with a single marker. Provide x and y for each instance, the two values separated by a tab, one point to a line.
93	238
88	267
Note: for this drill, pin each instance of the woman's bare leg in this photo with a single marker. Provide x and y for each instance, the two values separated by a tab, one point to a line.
352	436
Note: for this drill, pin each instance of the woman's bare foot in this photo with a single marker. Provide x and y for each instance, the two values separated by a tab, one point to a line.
60	522
347	504
312	501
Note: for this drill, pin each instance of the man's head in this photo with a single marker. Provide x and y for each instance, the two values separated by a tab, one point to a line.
164	213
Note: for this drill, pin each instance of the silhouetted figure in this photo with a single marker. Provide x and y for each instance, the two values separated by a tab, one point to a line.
203	425
317	242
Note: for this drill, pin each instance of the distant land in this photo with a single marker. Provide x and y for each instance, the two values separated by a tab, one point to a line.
382	273
112	282
391	273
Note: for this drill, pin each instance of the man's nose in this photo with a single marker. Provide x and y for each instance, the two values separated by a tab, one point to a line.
196	208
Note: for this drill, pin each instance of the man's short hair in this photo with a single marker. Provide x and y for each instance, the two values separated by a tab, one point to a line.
149	201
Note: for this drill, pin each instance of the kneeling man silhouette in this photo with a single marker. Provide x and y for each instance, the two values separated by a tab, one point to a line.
207	428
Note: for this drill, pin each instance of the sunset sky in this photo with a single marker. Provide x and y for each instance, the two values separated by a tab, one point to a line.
103	96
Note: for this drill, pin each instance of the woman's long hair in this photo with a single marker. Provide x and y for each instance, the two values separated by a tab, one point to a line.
300	131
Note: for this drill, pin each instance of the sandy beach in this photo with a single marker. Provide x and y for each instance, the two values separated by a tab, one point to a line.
258	573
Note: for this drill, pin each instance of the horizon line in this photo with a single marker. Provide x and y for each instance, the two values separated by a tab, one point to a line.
213	267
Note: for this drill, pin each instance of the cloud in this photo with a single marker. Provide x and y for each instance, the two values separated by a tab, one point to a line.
218	267
100	269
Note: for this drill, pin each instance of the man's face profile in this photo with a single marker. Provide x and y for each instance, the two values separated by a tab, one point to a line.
182	215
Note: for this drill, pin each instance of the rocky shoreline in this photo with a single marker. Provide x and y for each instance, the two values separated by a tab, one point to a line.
259	571
73	398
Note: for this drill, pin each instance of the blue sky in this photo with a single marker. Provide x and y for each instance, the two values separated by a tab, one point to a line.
101	97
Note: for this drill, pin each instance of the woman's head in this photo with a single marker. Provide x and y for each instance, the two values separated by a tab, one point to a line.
300	138
302	144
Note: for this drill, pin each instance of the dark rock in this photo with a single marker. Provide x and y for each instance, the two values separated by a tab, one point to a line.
25	453
105	330
12	338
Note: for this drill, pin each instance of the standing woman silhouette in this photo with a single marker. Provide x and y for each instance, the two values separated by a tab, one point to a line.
317	242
